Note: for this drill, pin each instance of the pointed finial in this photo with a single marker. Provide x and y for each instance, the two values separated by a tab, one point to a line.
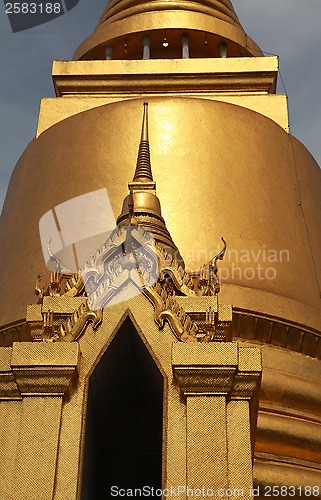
143	170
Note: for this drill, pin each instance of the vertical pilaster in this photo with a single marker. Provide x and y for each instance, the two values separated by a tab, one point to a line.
239	447
207	465
241	419
220	382
37	448
43	374
10	411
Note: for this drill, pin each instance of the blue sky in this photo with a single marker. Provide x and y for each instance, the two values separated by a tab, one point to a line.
288	28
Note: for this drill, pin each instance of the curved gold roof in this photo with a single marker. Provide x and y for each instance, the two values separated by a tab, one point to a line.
124	22
214	178
120	9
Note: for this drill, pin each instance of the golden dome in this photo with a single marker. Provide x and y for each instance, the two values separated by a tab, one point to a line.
208	24
210	183
120	9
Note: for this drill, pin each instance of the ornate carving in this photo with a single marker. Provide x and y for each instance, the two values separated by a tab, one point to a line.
212	319
167	308
60	285
53	288
172	274
38	290
55	307
54	285
48	333
208	280
131	255
128	255
210	330
72	329
74	285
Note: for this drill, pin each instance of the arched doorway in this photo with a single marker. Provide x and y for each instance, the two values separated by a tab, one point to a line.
123	432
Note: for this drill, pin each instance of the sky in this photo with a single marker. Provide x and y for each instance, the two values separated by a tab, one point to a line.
287	28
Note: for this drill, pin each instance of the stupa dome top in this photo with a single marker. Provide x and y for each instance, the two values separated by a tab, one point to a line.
208	23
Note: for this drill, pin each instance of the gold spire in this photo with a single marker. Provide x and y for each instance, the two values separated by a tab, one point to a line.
143	170
142	205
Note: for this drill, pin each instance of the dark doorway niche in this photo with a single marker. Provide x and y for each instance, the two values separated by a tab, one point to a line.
123	434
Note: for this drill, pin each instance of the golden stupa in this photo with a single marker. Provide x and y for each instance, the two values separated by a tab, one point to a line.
148	327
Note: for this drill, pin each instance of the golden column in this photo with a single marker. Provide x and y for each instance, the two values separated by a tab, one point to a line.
220	382
41	376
